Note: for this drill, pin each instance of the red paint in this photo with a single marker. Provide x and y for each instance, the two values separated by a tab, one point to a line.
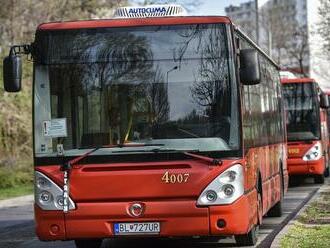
113	23
297	80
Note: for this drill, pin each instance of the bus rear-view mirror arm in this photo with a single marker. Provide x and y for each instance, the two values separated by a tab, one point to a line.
12	68
249	67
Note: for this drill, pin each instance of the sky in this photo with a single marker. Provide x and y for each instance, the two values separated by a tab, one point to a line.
205	7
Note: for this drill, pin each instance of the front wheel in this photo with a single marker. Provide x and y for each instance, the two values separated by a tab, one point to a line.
88	243
276	210
248	239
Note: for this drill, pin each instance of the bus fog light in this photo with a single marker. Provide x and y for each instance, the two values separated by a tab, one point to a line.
232	176
42	183
211	196
228	190
45	197
60	201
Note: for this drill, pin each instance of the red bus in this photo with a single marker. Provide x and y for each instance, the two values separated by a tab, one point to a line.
307	129
163	126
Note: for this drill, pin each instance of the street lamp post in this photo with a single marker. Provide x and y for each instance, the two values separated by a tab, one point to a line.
173	69
257	20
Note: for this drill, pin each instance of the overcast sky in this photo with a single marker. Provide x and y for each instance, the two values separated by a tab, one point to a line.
205	7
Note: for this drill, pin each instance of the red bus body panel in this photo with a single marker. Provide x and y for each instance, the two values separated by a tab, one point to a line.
297	166
105	199
113	23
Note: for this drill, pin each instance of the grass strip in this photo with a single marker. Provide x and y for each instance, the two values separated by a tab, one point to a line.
307	236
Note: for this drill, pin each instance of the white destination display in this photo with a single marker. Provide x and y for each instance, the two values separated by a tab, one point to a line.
55	128
137	228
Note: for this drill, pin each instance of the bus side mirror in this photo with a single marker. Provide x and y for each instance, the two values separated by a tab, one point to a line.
324	101
12	73
249	67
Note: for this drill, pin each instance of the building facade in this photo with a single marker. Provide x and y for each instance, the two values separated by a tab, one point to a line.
288	32
244	16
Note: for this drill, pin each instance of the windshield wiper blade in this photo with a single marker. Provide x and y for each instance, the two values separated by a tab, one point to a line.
212	161
190	153
121	145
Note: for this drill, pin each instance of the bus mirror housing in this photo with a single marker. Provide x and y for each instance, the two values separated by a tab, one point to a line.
12	73
324	101
249	67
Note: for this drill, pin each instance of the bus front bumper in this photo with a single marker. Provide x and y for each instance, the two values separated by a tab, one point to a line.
297	166
177	219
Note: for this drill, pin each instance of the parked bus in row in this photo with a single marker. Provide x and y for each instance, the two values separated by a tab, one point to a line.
307	129
153	124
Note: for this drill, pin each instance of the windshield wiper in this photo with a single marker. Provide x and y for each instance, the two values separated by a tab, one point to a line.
68	165
212	161
190	153
121	145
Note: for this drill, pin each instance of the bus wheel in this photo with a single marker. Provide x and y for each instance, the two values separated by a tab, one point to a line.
248	239
319	179
276	210
88	243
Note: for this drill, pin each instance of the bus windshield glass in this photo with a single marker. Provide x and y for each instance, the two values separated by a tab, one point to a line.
161	85
303	113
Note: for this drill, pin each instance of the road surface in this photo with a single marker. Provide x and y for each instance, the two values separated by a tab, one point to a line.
17	226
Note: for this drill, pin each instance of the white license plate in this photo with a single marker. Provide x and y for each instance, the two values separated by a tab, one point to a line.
137	228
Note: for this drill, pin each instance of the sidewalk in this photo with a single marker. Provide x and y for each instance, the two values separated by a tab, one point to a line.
17	201
15	211
313	217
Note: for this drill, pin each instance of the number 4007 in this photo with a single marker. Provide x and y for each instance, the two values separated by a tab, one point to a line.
175	178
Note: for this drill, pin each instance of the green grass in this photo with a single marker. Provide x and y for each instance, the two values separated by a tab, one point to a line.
16	178
307	236
19	190
318	212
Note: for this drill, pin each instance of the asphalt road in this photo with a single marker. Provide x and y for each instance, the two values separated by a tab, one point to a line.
17	227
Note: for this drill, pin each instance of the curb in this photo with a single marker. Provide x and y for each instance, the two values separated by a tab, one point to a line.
17	201
293	221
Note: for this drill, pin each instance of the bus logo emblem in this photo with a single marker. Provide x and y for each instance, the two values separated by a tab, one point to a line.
136	210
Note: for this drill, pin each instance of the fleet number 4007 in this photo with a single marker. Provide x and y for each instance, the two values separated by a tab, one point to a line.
175	177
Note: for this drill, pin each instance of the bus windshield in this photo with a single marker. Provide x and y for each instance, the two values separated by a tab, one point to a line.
303	113
168	85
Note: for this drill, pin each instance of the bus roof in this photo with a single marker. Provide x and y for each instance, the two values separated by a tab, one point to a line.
133	22
297	80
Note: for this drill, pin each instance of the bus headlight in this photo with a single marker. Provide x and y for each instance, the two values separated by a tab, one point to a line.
225	188
48	195
314	153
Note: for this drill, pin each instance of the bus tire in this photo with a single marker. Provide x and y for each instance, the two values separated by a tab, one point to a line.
276	210
326	172
88	243
248	239
319	179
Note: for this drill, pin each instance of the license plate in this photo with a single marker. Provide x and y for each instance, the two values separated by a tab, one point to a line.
137	228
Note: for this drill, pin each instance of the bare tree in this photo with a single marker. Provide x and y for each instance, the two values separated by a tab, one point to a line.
284	37
324	25
297	49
